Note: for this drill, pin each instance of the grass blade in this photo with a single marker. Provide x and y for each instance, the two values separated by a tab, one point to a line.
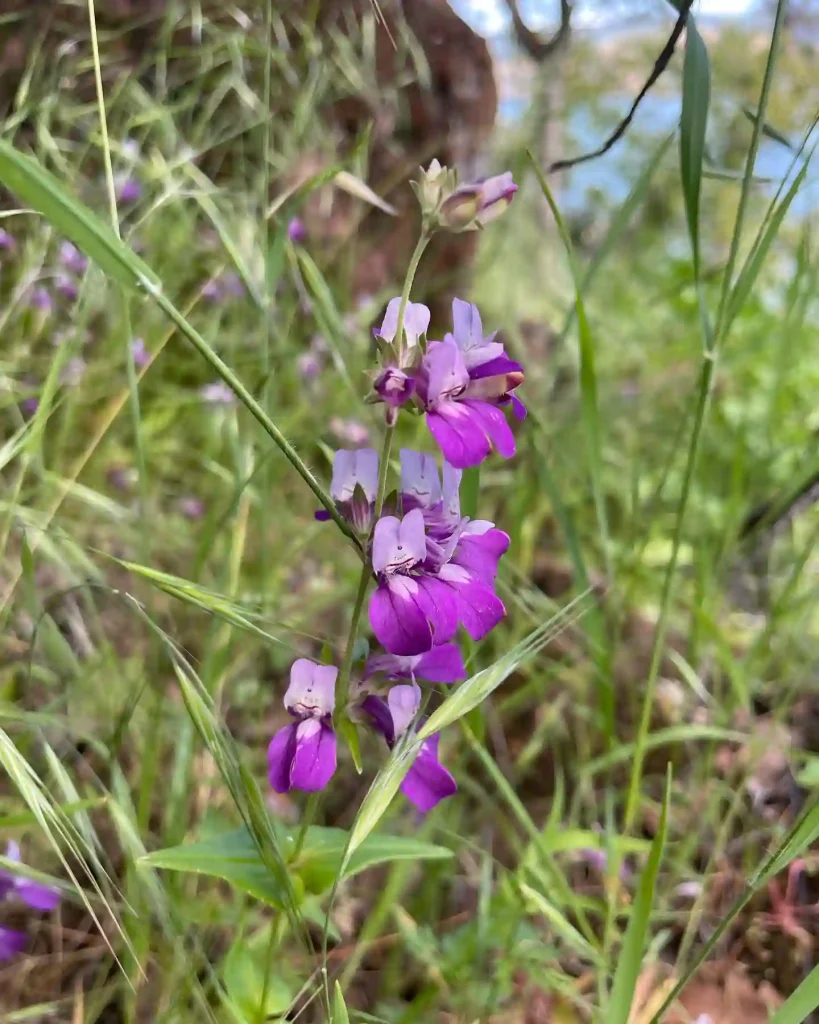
634	943
801	1003
696	96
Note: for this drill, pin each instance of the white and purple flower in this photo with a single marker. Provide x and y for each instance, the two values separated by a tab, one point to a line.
354	486
33	894
477	203
303	754
435	569
461	383
427	782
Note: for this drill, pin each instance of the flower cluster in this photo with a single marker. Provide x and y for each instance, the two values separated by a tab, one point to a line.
460	383
434	569
33	894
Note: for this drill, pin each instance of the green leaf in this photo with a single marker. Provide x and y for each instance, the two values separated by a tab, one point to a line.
631	955
801	1003
696	96
756	258
562	927
253	990
340	1015
809	775
234	857
768	129
32	183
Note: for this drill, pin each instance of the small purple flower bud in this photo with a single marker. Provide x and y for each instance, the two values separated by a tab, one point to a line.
296	231
308	366
394	386
213	291
130	190
122	478
233	286
477	203
192	508
140	353
351	431
217	393
40	298
7	242
29	406
66	287
72	259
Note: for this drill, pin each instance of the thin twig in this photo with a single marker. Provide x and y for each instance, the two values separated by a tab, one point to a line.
659	67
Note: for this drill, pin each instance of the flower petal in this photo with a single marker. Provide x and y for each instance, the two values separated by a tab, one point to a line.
443	371
403	702
419	478
443	664
467	333
37	896
399	622
315	759
380	717
416	321
440	606
494	425
354	467
428	782
11	943
312	689
398	544
280	754
479	608
480	553
462	443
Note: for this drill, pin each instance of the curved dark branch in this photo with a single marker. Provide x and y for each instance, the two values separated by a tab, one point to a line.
538	48
659	67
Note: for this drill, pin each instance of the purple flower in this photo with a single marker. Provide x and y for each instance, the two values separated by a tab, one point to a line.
217	393
303	754
11	943
140	353
40	298
296	230
33	894
30	405
7	242
354	486
477	203
442	664
308	366
213	290
192	508
461	382
233	285
351	431
67	287
427	782
435	569
129	190
394	386
72	259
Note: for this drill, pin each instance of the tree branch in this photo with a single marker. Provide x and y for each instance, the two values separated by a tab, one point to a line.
538	48
659	67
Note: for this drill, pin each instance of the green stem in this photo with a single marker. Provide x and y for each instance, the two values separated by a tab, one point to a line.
343	684
703	394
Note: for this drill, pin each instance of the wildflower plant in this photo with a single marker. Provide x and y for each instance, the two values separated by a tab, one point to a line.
434	570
